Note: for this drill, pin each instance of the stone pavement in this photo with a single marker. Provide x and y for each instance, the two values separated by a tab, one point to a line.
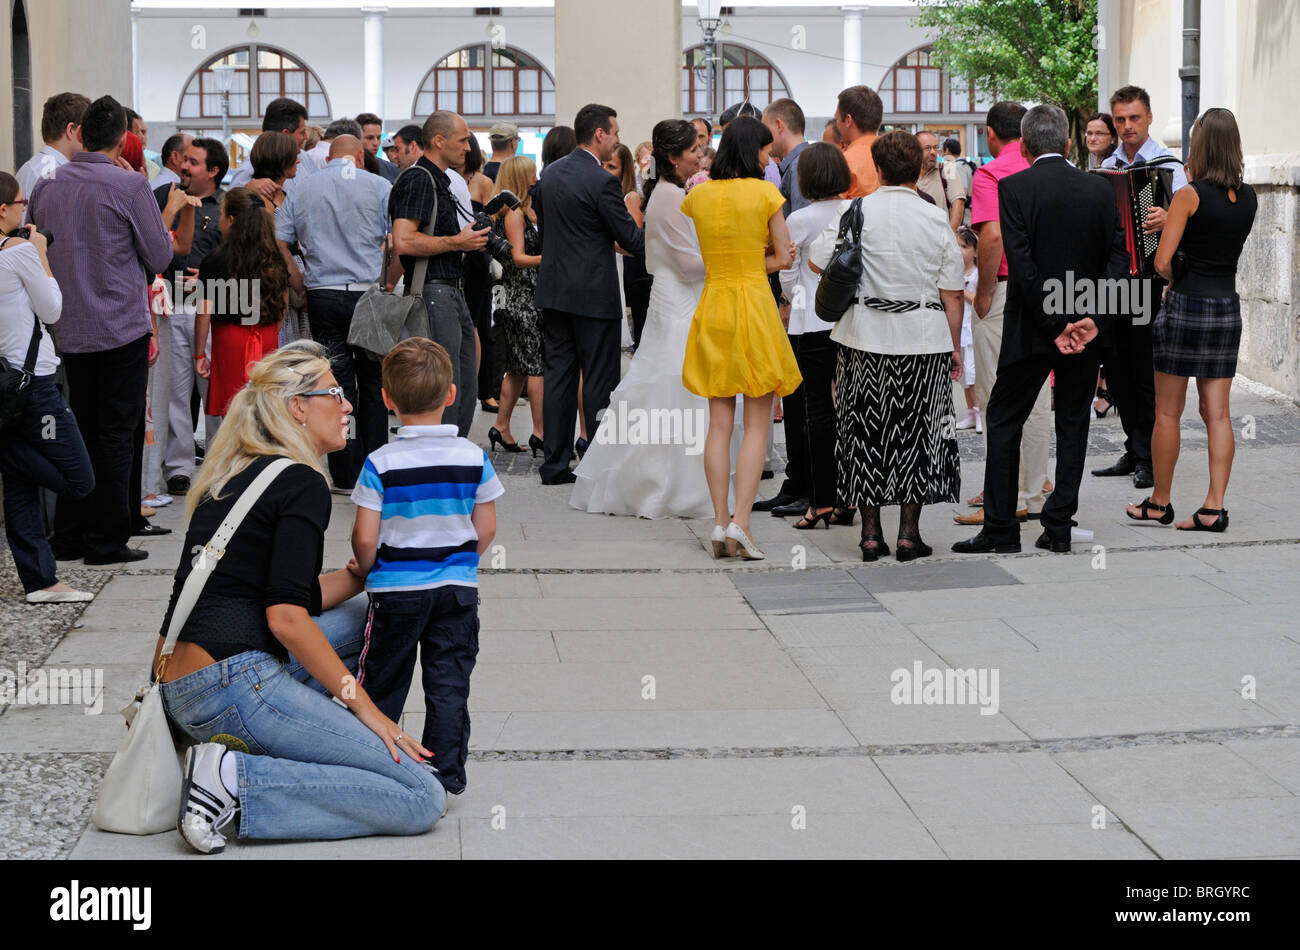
635	698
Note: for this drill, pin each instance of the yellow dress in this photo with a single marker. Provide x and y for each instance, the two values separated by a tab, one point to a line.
737	343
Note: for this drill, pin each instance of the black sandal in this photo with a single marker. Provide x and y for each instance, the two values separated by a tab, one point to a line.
881	549
1146	504
916	549
1218	525
805	523
843	516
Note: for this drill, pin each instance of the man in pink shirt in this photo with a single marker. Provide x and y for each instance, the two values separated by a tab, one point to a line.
1003	125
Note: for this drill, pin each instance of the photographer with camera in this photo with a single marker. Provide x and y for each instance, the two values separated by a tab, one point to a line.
40	444
423	187
339	218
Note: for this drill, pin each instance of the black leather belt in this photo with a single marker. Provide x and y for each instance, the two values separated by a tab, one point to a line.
457	282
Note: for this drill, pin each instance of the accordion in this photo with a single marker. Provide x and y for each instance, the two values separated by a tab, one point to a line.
1138	189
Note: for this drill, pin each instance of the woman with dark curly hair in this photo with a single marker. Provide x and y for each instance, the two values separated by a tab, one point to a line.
245	287
275	159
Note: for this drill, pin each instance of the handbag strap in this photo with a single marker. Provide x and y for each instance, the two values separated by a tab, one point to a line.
34	347
422	265
206	561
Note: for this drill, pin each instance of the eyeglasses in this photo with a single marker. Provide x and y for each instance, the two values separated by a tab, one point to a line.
18	201
335	391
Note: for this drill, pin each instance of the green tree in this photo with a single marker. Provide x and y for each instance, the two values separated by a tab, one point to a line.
1027	50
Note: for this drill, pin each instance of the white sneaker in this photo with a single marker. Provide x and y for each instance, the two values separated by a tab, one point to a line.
740	545
157	501
59	597
968	422
205	804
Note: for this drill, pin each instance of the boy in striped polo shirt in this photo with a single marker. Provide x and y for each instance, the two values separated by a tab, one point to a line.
425	512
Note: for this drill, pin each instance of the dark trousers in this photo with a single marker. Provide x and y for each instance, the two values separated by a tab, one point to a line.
106	392
1009	405
810	421
42	450
451	325
329	315
575	344
478	297
1131	378
637	283
443	622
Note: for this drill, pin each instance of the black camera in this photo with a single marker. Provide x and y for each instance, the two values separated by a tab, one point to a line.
26	234
499	248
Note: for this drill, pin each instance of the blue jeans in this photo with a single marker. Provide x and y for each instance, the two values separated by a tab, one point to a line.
43	449
312	770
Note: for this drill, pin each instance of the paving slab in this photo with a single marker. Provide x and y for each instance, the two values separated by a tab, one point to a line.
675	729
1241	828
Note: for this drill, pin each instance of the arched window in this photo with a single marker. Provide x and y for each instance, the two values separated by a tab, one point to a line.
917	84
262	74
741	74
483	80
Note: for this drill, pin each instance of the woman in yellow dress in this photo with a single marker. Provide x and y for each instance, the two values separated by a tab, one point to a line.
737	344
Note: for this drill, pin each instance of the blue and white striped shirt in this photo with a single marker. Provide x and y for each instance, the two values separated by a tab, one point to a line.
425	486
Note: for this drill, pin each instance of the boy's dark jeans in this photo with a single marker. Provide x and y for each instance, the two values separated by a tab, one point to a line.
444	623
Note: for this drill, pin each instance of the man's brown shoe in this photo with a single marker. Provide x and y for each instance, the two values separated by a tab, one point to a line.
977	517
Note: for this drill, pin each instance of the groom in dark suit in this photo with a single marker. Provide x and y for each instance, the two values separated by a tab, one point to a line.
580	214
1061	234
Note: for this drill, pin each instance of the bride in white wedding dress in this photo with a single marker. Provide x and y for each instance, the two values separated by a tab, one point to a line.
645	458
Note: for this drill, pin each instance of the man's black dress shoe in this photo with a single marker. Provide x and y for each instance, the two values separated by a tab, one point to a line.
983	544
777	500
1143	477
797	507
1048	543
150	531
67	554
1125	466
118	556
178	485
564	478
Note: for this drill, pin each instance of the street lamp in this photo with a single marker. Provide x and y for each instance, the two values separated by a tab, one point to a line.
710	19
225	76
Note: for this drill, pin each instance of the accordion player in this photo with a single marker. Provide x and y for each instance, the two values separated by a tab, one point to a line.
1139	188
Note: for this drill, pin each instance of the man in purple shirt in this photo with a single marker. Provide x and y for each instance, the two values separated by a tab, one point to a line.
108	235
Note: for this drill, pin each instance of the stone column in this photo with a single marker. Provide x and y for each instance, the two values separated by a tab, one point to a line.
374	59
623	55
852	46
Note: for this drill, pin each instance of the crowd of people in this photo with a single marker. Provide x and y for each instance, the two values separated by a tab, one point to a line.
180	325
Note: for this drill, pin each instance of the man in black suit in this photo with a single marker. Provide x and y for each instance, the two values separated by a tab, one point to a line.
1060	231
581	214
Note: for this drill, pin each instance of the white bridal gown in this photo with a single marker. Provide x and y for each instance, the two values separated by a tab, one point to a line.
625	472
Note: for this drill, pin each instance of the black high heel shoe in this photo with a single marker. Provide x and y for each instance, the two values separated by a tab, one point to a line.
580	447
881	549
911	552
805	523
1104	395
842	516
535	444
495	439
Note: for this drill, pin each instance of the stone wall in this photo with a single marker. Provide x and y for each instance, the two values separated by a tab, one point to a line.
1268	277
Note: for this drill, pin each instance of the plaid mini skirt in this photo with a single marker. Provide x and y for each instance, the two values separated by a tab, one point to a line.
1197	336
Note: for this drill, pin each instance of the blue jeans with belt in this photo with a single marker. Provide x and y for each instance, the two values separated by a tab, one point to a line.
311	770
43	449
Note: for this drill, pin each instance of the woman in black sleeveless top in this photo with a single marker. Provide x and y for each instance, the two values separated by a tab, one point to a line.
1198	329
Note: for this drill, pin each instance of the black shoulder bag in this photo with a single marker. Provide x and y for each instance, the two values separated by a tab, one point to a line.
839	281
14	382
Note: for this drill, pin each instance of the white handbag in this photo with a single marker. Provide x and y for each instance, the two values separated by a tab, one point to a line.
141	791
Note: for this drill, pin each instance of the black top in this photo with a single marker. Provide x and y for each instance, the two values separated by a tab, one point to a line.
223	304
1060	227
491	169
274	557
1213	239
412	198
207	229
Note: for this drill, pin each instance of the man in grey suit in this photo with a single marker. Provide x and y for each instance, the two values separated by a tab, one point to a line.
581	214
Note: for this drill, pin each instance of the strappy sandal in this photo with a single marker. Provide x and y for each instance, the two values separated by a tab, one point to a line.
1146	505
843	516
910	552
1218	525
880	550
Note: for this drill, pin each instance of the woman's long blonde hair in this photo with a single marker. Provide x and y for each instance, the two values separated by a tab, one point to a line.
517	174
258	422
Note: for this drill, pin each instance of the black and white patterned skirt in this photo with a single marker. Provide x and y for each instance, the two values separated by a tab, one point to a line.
1197	336
895	436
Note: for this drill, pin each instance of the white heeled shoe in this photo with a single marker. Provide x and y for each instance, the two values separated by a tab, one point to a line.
60	597
719	540
740	545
